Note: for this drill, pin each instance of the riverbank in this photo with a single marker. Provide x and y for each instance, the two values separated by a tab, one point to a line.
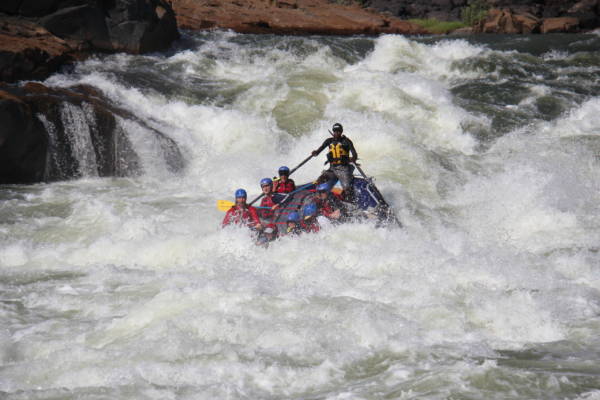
37	38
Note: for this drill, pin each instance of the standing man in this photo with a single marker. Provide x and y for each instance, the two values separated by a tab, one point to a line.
341	154
241	213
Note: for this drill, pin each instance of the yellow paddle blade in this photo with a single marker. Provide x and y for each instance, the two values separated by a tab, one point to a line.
224	205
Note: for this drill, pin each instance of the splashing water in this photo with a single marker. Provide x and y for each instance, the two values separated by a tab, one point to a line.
487	148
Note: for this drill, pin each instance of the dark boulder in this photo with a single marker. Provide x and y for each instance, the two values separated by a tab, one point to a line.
587	12
37	8
56	134
138	26
10	6
28	51
41	35
133	26
81	23
23	142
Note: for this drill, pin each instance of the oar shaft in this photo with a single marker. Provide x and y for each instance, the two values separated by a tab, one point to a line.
291	172
377	191
301	164
369	179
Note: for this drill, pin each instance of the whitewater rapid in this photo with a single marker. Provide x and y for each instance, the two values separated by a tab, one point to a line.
486	148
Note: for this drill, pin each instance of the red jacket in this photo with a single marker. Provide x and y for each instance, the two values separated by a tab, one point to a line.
237	215
324	207
280	187
312	227
329	205
267	201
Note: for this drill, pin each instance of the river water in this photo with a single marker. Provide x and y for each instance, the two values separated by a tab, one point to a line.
486	146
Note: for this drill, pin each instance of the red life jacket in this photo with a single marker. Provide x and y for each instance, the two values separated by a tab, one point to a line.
280	187
267	201
241	215
324	207
312	227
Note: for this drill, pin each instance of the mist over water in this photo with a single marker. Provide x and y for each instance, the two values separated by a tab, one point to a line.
486	147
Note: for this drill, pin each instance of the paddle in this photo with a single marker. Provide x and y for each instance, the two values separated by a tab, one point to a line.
291	172
224	205
385	203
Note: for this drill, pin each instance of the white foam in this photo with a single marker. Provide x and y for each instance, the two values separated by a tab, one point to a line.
131	283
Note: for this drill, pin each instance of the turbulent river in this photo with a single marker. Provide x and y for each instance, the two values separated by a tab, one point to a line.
487	147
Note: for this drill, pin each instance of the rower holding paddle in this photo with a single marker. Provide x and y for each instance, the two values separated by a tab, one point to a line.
270	200
241	213
284	184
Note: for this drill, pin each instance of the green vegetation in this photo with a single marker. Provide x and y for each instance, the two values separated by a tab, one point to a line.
474	12
435	26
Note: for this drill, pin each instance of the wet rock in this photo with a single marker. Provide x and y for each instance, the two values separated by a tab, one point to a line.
28	51
587	12
527	23
287	17
133	26
137	26
80	23
23	143
505	21
45	128
560	25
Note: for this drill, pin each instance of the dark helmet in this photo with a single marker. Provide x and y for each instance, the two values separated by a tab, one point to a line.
284	170
293	217
309	210
337	127
240	193
266	182
323	187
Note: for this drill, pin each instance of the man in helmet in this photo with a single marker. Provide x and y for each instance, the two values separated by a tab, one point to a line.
284	184
309	222
293	224
269	199
328	205
241	213
341	154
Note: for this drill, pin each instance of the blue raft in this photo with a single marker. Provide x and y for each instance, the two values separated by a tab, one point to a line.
368	204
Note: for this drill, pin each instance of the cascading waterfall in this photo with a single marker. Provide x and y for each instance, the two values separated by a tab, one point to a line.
487	147
79	122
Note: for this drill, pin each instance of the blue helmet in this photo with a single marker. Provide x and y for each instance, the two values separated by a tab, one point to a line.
323	187
309	210
265	181
293	217
284	170
240	193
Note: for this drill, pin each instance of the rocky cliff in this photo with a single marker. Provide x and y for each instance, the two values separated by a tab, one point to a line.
55	134
36	37
288	17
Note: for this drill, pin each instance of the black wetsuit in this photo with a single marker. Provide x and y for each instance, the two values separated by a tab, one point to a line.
339	159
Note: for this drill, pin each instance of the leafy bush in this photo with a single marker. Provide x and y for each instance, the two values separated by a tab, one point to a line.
435	26
474	12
